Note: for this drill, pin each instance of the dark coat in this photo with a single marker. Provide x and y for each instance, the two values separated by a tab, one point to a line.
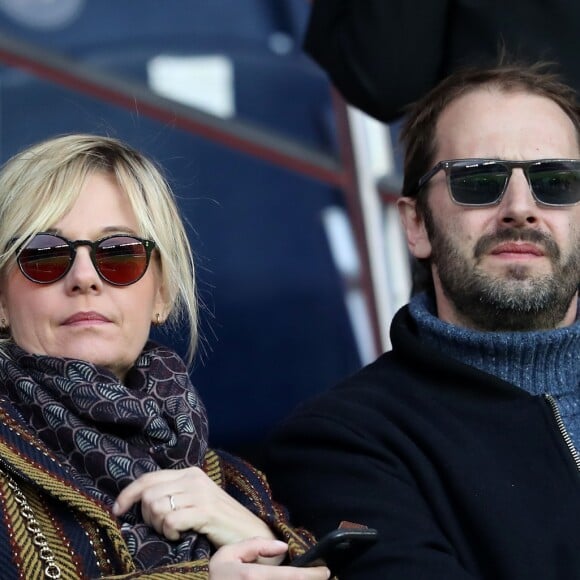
385	54
464	475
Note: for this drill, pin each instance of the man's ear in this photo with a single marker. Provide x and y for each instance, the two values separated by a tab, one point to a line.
414	226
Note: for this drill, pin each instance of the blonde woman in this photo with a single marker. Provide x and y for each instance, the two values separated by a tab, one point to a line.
104	464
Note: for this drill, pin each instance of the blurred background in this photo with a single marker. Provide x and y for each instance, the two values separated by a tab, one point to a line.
300	260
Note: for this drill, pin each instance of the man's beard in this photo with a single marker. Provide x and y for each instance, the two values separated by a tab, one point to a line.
516	300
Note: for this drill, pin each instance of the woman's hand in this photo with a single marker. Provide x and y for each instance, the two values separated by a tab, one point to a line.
177	500
238	561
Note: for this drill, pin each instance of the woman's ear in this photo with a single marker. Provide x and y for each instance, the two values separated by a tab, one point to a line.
160	307
414	226
161	304
4	318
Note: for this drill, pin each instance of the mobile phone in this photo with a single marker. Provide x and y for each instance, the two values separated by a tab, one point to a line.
338	548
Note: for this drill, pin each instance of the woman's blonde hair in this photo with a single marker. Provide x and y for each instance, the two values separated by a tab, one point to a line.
41	184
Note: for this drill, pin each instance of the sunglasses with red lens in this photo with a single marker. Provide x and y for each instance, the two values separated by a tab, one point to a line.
119	259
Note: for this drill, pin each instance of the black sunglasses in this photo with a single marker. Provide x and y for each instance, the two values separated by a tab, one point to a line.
119	259
481	182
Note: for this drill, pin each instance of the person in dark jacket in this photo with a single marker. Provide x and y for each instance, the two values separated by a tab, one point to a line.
383	55
460	445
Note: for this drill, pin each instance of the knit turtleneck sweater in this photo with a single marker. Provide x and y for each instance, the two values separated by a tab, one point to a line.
539	362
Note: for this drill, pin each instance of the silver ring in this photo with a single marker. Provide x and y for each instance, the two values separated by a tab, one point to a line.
172	503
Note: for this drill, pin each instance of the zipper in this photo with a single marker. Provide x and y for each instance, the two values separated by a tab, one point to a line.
563	431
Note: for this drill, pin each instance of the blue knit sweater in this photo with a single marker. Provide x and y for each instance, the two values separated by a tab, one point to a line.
540	362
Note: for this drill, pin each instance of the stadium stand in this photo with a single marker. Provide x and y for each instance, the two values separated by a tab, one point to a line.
274	323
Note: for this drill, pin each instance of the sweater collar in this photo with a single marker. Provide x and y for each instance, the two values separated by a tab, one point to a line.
540	362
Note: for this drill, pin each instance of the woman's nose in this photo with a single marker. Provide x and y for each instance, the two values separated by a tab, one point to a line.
83	275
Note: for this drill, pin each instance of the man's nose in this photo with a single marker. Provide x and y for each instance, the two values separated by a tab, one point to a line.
518	208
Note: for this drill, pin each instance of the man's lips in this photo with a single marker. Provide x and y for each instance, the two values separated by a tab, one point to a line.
86	318
524	249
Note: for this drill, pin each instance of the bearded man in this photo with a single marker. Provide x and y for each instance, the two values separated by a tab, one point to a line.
460	445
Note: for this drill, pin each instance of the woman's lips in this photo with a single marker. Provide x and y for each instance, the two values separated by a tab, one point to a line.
86	318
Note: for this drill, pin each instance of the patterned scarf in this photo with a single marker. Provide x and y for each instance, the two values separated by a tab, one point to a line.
107	433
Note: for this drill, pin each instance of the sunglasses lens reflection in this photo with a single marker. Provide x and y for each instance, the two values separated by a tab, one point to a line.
121	260
555	183
478	184
45	259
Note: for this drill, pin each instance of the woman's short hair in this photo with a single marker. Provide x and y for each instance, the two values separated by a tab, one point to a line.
39	186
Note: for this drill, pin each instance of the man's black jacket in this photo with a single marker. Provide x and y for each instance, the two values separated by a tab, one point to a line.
465	476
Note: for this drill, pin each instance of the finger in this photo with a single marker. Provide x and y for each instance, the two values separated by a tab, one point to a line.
152	483
171	522
250	550
169	514
155	513
236	559
175	522
133	493
316	573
